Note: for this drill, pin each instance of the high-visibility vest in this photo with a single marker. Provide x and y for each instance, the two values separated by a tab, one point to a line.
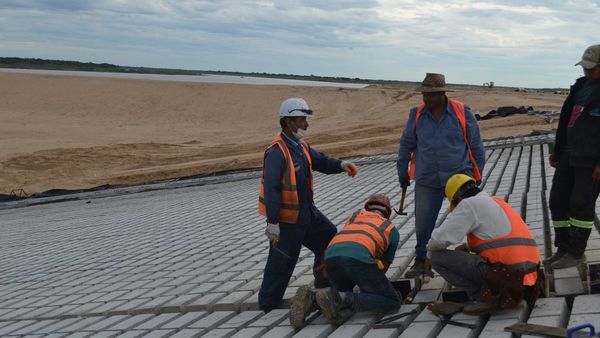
368	229
517	249
289	207
459	110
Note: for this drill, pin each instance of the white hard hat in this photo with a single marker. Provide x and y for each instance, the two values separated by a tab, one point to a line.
294	106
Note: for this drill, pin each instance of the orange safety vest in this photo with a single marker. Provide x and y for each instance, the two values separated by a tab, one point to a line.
368	229
459	110
289	208
517	249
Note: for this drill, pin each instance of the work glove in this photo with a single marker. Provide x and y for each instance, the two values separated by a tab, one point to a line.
272	232
404	180
436	245
349	168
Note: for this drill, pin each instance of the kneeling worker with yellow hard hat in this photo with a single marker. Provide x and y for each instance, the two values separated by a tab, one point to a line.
498	265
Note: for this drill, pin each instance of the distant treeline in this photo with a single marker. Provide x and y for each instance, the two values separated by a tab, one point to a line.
28	63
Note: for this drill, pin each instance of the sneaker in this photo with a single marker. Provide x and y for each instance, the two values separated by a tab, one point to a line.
417	270
567	261
480	308
556	256
302	305
330	303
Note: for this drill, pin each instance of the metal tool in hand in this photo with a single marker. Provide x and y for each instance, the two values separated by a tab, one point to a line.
387	322
401	211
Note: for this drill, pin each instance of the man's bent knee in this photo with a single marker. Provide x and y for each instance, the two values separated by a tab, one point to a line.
436	258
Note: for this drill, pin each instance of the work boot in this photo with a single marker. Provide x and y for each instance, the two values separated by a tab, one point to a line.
302	305
562	238
321	282
579	238
331	306
266	308
417	270
567	261
476	308
556	256
445	308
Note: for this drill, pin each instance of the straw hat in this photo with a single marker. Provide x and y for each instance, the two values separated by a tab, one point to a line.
433	83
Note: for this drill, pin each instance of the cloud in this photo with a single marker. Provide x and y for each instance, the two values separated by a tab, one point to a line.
307	36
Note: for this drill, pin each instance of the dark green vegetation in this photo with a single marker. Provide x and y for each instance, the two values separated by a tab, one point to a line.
24	63
27	63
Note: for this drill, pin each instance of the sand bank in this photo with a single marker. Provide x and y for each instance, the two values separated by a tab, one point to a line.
80	132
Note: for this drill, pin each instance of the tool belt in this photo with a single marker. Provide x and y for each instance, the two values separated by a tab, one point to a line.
504	287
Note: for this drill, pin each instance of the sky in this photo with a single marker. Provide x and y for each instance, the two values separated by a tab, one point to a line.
510	42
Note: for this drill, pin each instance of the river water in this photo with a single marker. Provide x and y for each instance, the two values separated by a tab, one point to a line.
209	78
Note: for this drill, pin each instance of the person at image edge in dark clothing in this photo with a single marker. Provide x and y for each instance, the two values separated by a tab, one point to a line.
286	200
576	157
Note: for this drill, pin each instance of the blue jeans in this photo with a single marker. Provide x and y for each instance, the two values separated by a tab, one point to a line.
461	269
283	257
376	292
428	202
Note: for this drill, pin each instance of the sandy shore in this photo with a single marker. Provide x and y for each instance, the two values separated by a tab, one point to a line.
80	132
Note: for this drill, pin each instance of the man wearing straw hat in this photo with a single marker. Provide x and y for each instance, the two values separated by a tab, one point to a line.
441	139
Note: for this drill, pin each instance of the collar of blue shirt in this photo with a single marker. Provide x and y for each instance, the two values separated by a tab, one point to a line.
289	140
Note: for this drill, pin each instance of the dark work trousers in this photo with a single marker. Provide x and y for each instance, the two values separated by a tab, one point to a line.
461	269
376	292
283	257
572	205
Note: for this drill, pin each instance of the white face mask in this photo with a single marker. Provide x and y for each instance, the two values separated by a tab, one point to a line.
299	133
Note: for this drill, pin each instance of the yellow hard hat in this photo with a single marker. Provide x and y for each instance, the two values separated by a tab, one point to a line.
454	183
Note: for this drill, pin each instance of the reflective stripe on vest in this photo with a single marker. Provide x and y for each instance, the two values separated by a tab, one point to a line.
289	208
517	249
459	110
368	229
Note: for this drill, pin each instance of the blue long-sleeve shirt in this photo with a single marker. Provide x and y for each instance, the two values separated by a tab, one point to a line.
274	169
440	146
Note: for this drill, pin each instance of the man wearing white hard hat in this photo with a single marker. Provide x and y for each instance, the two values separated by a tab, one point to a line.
286	200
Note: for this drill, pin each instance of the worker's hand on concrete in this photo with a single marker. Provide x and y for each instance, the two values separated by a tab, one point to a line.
428	269
272	232
596	173
552	160
349	168
404	180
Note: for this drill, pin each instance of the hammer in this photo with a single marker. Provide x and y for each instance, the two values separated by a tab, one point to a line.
401	211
